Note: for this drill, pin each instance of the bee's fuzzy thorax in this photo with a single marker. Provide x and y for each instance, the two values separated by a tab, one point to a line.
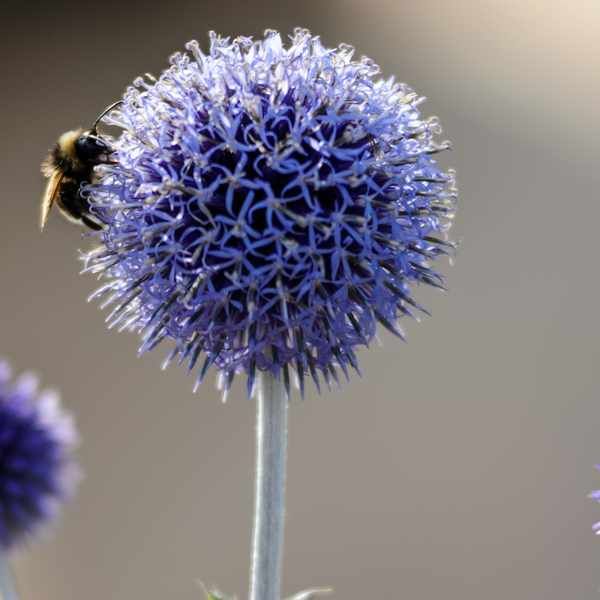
64	156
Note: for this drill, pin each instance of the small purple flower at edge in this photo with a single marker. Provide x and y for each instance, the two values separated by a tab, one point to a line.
595	495
268	207
37	469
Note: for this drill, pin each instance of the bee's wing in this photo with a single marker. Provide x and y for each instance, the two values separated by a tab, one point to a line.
50	193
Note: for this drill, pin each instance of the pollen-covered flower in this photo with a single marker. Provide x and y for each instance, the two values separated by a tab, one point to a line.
269	206
37	469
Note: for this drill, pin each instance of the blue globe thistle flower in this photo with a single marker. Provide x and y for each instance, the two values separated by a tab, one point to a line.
37	469
269	206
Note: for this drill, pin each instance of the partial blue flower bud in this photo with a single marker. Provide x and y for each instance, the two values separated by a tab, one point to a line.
37	469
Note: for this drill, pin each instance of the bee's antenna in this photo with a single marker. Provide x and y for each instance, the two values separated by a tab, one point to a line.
104	113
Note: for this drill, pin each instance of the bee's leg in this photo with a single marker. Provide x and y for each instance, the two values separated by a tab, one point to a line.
81	206
87	221
75	207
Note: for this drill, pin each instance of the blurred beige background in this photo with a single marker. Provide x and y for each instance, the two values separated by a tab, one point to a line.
458	467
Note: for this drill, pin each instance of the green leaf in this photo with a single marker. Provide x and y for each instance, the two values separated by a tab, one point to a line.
213	594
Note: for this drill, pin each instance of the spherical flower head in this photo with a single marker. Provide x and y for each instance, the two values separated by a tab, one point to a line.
37	469
269	206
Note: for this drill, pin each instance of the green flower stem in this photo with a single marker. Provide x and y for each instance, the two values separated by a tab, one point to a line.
7	584
269	508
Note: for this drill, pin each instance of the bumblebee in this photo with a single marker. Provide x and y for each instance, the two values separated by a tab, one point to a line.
69	165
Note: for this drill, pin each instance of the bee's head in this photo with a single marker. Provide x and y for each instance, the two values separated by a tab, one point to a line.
90	147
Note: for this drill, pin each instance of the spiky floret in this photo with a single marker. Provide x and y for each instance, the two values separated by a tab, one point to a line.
37	469
269	207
